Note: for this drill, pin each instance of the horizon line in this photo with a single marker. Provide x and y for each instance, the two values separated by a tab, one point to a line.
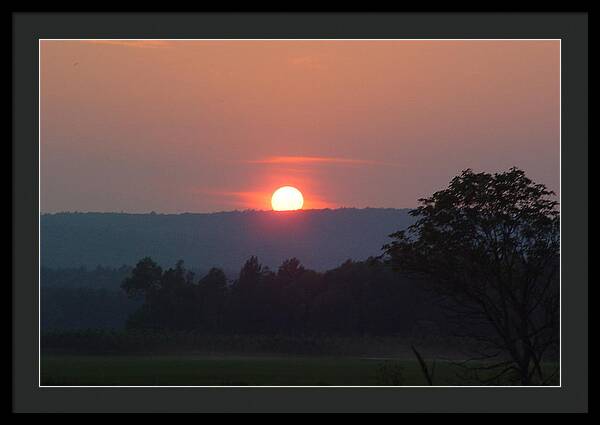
248	210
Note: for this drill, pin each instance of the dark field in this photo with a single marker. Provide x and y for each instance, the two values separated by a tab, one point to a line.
191	369
206	370
171	358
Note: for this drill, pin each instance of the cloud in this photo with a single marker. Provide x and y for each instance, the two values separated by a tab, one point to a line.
143	44
309	160
309	62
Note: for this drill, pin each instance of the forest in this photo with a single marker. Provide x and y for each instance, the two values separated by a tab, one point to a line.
358	297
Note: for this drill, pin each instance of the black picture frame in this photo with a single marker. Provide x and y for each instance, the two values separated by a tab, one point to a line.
570	28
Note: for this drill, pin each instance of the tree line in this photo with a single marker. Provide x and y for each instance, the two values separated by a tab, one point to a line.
358	297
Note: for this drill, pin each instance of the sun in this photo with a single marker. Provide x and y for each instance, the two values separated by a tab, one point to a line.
287	198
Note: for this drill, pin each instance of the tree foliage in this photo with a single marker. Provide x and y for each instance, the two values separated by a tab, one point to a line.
355	298
489	246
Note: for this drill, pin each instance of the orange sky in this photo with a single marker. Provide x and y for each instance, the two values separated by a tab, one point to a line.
200	126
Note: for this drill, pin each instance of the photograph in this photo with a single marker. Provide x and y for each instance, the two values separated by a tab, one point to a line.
308	212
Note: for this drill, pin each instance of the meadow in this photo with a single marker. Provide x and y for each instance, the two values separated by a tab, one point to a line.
235	370
191	358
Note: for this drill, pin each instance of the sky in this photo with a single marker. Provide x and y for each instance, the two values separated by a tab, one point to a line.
206	126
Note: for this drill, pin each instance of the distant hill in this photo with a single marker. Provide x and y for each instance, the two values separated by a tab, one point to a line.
321	239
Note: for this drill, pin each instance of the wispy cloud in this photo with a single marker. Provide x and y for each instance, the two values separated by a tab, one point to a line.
143	44
309	160
310	62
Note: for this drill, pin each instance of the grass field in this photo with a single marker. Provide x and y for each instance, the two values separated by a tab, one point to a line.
149	358
230	370
236	370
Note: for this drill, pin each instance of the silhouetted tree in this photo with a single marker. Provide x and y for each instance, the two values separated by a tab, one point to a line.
290	270
145	278
251	273
248	297
176	304
212	293
489	245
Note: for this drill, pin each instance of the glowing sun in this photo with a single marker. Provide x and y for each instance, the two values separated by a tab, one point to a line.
287	198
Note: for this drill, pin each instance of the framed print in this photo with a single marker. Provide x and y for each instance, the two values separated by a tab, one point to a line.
300	212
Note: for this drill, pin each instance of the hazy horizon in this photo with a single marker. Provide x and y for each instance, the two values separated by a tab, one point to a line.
247	210
212	126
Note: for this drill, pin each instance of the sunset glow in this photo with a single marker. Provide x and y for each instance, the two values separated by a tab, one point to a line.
361	123
287	198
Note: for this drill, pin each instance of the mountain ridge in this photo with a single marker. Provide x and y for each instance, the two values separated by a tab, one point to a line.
246	211
320	238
